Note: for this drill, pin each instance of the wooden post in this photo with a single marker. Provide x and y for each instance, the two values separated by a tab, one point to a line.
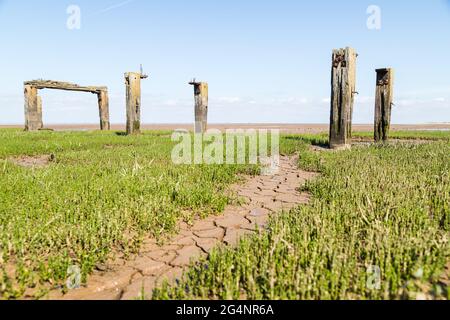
133	88
383	103
33	103
103	107
33	109
343	83
201	106
39	110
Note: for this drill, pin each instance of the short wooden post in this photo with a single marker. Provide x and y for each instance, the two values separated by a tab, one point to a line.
383	103
133	89
343	83
33	109
201	106
103	107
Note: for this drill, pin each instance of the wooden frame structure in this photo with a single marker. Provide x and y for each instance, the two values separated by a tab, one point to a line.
33	102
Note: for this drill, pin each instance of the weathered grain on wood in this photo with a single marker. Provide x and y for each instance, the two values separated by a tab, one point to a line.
201	106
59	85
33	109
343	83
103	107
383	103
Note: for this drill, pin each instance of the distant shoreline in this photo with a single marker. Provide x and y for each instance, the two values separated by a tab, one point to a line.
285	128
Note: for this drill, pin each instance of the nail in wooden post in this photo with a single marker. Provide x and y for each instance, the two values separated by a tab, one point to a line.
33	109
201	106
103	108
133	88
343	83
383	103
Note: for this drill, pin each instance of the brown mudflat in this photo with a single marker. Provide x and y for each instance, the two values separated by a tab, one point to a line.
285	128
264	196
33	161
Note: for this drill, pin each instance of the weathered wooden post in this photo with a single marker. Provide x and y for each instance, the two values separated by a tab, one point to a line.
103	107
383	103
343	84
201	106
39	110
133	88
33	109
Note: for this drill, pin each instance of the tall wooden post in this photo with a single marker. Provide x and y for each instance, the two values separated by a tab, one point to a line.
33	109
343	84
133	89
383	103
103	108
39	112
201	106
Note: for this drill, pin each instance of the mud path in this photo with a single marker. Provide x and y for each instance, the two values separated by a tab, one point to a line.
264	196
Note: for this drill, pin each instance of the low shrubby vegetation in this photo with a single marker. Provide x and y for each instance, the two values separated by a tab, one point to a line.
375	207
99	193
379	212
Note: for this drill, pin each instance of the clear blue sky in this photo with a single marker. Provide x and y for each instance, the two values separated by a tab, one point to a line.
265	60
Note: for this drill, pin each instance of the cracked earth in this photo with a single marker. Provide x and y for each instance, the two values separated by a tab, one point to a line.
264	196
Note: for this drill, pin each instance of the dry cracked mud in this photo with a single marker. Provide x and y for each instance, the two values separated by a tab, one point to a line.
33	161
263	195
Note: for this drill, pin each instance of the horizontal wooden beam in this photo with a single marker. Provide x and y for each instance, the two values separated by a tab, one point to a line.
67	86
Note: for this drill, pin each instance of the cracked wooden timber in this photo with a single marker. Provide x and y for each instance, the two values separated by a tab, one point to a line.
343	84
384	99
